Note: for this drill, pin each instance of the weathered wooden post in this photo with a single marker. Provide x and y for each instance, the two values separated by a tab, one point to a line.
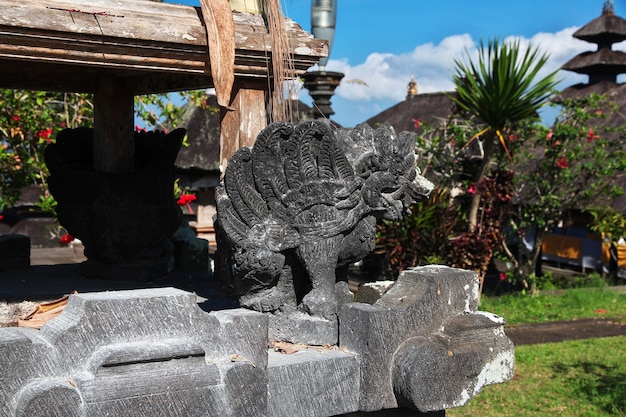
114	144
245	118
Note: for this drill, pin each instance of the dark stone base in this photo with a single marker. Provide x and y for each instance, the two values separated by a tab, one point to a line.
14	252
139	271
192	254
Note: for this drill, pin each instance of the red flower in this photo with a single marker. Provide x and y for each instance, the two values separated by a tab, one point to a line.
502	276
549	135
186	199
44	133
66	239
1	217
15	118
417	122
600	311
562	163
139	129
590	136
472	189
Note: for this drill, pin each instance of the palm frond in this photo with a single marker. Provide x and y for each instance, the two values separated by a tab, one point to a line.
501	86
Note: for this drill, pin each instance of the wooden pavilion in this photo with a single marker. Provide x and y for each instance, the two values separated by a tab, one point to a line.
117	50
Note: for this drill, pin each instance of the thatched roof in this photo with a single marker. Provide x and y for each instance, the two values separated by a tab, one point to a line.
430	108
605	61
607	28
203	134
583	89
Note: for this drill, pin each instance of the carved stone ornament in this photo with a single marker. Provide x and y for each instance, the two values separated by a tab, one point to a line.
123	219
303	202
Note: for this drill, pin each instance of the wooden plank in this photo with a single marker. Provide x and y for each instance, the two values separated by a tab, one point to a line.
218	20
138	20
136	36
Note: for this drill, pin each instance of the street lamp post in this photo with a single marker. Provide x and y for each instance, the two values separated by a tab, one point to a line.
322	84
323	21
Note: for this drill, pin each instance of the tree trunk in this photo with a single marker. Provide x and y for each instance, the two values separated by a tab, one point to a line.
488	150
529	265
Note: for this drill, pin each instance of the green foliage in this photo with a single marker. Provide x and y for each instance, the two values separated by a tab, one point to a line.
162	111
473	249
609	222
500	90
551	281
29	121
569	166
501	87
420	237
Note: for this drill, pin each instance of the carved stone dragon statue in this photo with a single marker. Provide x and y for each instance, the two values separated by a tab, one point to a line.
305	200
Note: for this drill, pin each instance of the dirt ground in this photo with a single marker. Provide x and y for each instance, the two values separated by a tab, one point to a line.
552	332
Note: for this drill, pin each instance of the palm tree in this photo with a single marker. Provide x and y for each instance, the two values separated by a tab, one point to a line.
500	91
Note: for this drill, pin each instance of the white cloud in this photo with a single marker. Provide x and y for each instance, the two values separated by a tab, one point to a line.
386	75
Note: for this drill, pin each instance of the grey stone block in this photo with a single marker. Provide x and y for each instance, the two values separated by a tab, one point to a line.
137	353
422	344
299	327
370	292
397	412
314	382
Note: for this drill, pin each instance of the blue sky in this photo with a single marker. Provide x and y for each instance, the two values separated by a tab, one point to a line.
384	42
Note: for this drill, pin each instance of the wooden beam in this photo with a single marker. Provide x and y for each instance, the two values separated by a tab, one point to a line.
133	38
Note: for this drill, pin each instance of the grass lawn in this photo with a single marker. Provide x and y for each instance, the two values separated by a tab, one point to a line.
564	305
584	378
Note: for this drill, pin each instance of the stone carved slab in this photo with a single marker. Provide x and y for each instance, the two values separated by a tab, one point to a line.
313	382
136	353
304	201
142	353
423	344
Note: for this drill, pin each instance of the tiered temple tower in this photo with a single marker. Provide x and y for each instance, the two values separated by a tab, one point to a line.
605	64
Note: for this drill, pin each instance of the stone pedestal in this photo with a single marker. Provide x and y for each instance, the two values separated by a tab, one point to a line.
321	86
